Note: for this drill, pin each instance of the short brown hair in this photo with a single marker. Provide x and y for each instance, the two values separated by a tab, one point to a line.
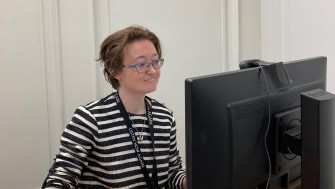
112	50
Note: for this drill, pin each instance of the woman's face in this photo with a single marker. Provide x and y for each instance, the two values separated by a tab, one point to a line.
139	52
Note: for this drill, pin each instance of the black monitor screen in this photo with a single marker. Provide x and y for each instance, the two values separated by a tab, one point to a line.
230	116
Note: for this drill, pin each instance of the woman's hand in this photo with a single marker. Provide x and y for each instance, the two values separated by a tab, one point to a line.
184	183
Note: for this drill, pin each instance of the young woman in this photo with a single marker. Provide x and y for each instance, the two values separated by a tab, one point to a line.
126	139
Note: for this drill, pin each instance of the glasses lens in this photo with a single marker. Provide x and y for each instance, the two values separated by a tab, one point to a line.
158	64
141	69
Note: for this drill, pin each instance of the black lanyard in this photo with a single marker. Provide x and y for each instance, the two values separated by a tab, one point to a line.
133	138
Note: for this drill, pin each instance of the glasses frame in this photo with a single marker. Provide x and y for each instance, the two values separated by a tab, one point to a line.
159	63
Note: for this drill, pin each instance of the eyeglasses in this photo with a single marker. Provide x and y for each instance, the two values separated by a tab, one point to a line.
144	67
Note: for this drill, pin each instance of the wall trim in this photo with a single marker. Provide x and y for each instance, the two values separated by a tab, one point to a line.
223	36
231	24
283	34
275	29
53	70
102	27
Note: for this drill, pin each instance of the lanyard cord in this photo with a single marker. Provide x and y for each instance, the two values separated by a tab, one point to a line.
154	183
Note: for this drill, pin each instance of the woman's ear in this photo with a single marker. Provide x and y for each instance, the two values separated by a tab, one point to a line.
117	76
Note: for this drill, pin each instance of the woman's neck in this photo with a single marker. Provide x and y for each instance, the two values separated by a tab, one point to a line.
133	103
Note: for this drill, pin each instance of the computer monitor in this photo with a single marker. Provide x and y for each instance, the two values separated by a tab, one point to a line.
231	115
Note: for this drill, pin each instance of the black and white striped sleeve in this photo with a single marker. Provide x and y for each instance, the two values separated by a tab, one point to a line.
176	172
77	141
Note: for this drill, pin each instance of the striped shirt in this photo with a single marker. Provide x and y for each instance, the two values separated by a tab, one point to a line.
96	150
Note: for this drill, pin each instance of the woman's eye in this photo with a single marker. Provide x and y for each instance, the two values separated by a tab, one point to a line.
140	65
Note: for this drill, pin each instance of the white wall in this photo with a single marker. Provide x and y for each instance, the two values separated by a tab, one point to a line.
312	33
249	29
24	141
299	29
284	30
